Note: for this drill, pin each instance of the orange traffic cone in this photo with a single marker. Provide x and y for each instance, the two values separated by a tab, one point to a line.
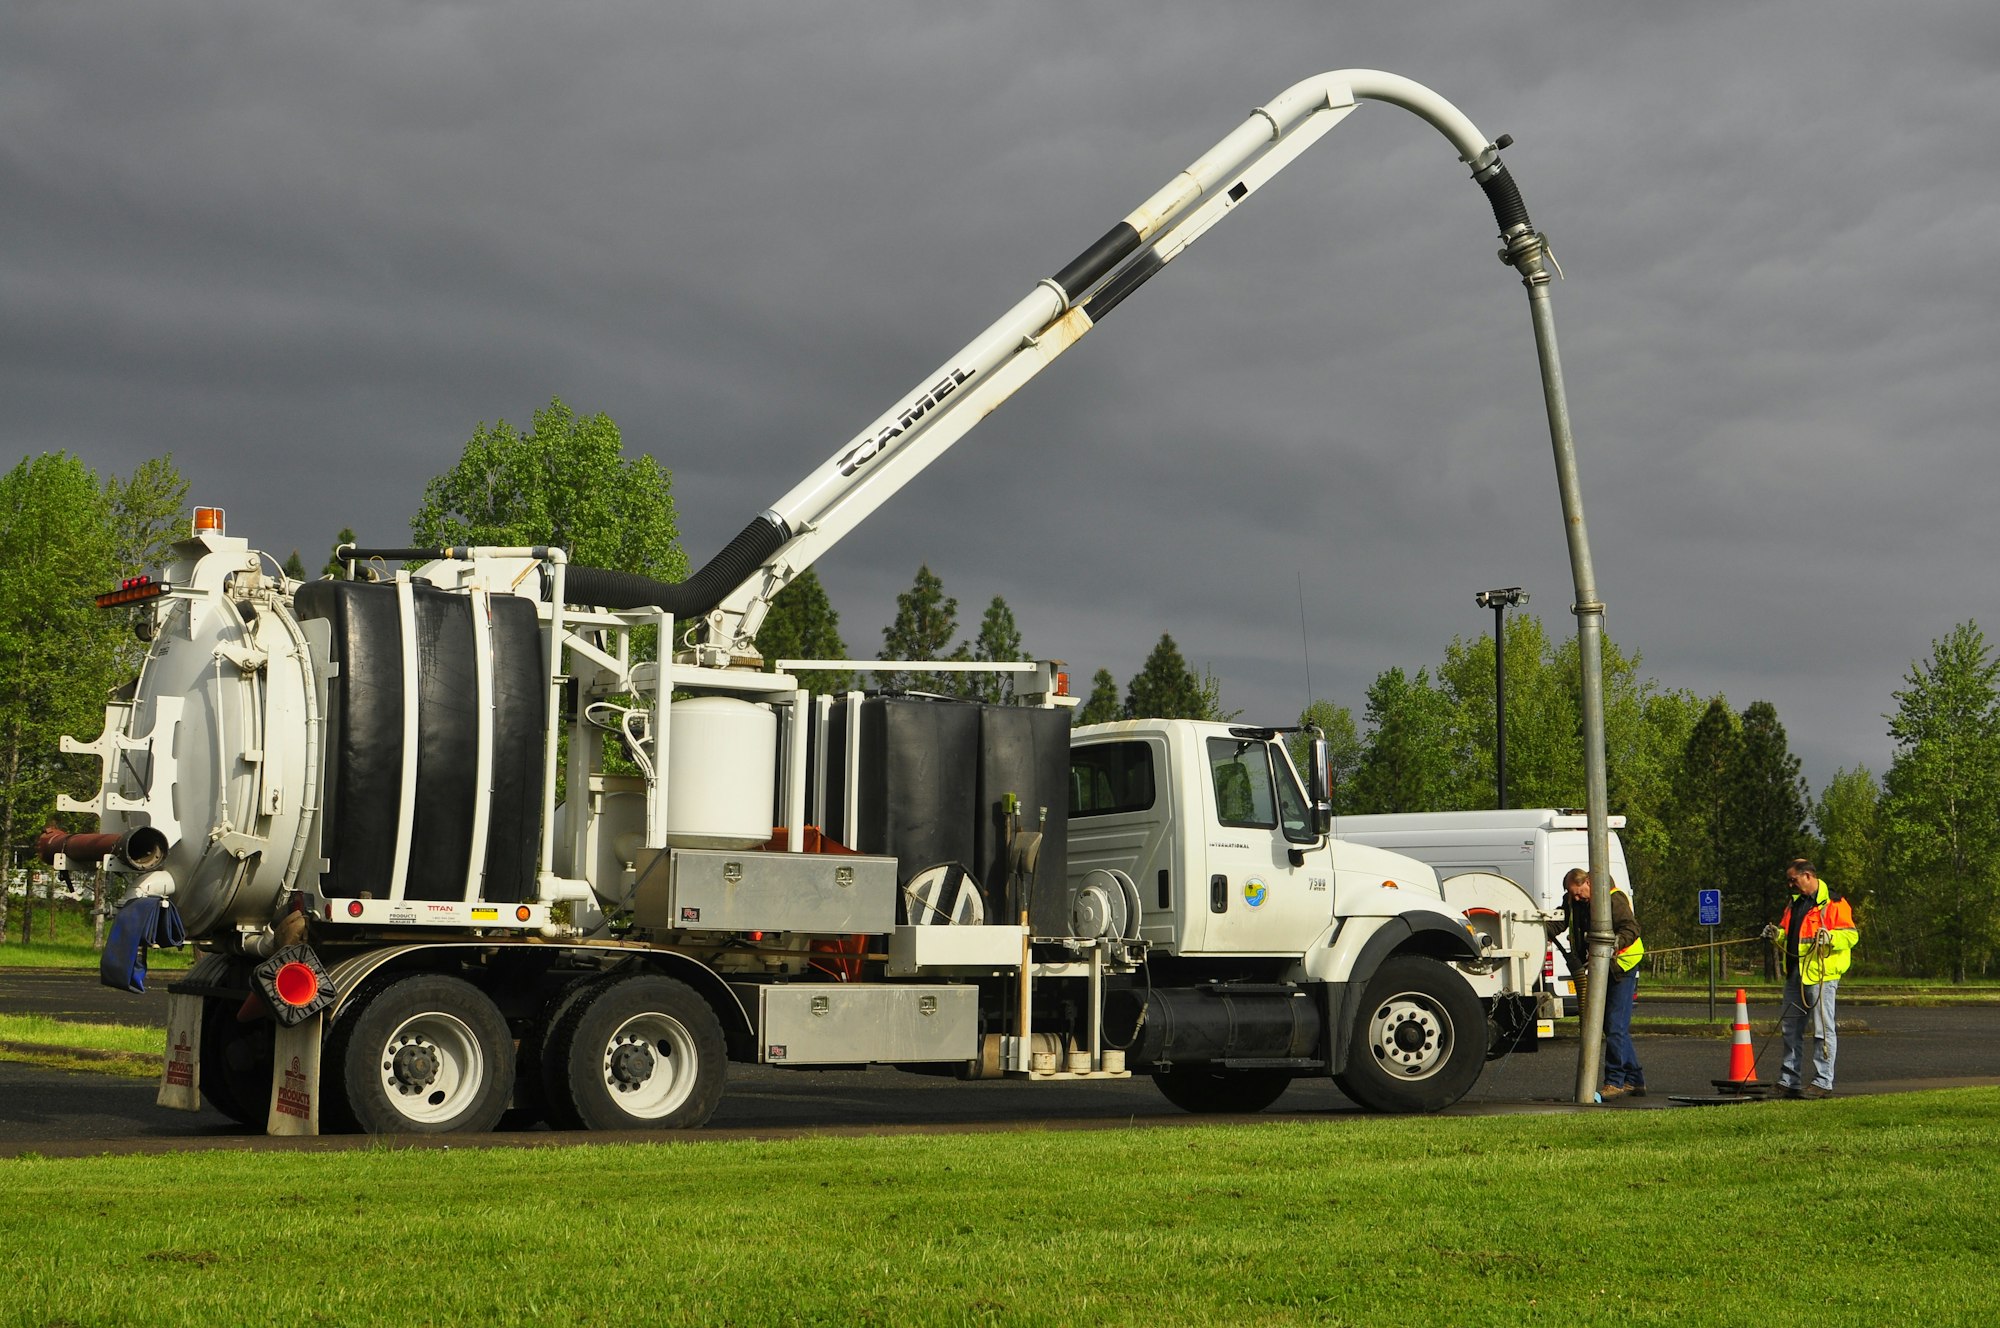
1742	1059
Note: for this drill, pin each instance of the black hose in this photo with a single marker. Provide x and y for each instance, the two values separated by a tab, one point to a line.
691	598
1505	196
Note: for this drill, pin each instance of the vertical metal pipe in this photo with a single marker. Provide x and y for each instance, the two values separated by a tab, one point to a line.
1500	704
1527	252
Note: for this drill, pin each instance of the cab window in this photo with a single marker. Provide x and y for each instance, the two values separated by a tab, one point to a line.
1110	777
1251	794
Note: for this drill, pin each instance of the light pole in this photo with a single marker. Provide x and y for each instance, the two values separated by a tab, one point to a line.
1498	601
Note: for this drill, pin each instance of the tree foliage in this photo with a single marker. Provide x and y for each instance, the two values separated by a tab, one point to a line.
926	621
998	642
802	624
1165	687
60	546
565	482
1103	705
1942	804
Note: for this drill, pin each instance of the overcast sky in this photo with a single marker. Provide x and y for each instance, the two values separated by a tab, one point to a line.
307	248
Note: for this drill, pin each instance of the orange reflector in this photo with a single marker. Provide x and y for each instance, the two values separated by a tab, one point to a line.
1062	684
132	590
523	913
297	984
207	518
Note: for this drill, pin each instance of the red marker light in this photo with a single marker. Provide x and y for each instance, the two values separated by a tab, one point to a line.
132	590
296	983
354	908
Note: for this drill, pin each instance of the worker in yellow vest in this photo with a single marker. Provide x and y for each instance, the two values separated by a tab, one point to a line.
1623	1076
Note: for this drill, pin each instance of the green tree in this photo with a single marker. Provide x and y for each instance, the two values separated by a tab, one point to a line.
998	642
149	514
295	566
59	548
926	620
1165	688
802	624
1209	684
1848	816
336	569
567	483
1767	815
1406	764
1698	820
1103	704
1343	747
1942	804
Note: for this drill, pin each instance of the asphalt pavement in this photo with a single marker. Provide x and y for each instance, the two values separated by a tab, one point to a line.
1900	1049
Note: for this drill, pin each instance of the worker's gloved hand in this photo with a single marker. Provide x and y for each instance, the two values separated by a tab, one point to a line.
1770	932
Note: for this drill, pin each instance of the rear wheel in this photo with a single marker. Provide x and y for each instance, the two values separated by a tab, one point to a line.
636	1053
1419	1039
1207	1092
426	1054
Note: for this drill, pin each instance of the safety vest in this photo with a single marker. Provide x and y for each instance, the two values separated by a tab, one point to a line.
1823	963
1629	957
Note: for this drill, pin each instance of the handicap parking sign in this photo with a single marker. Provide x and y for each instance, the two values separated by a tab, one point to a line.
1711	908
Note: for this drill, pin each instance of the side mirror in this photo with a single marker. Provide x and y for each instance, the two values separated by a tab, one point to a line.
1319	782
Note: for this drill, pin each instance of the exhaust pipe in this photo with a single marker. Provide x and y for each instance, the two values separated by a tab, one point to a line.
141	849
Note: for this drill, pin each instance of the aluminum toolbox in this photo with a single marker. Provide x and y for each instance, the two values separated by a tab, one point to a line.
743	890
840	1024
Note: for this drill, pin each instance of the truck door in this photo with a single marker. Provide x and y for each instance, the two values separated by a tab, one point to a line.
1121	814
1257	902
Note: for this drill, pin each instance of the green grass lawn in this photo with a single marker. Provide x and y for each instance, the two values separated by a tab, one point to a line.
64	939
1859	1211
128	1050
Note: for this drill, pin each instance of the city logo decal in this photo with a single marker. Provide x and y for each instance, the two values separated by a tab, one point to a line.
1255	892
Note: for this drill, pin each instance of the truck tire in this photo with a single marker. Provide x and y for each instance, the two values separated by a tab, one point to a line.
1419	1038
1206	1092
548	1060
640	1053
425	1054
236	1063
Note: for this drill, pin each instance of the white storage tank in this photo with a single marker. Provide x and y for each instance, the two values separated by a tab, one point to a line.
722	764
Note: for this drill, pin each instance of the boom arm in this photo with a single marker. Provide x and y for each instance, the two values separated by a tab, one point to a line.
873	465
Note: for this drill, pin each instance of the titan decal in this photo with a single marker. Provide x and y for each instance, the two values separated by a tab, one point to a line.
867	450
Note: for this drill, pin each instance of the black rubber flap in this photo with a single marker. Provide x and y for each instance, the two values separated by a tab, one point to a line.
520	715
448	704
364	758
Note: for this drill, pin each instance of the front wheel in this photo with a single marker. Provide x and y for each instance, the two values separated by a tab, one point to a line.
426	1054
1419	1039
1207	1092
640	1052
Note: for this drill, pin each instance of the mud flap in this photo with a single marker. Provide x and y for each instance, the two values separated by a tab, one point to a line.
295	1079
180	1078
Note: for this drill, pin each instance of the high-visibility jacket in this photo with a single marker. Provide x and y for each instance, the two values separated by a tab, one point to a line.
1624	926
1634	950
1821	960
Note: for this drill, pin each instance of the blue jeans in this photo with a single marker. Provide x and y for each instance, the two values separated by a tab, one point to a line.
1815	1006
1621	1063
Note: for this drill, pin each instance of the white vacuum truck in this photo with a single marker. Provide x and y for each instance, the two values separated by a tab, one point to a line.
383	810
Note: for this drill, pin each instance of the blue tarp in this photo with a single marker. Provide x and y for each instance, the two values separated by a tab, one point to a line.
143	921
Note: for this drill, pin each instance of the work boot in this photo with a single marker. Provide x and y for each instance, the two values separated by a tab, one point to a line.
1791	1092
1609	1091
1815	1092
1635	1090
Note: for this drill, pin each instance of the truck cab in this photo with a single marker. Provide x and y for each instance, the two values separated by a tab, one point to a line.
1211	823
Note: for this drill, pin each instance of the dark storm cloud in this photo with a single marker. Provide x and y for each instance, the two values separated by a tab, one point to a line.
308	250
